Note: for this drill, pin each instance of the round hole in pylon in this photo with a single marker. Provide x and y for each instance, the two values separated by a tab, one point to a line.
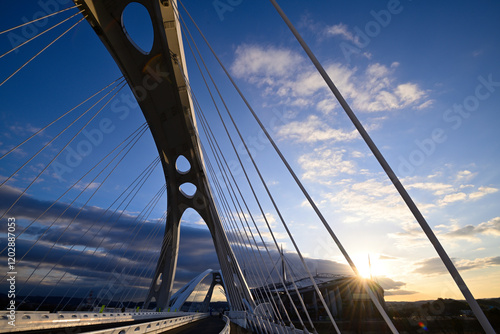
182	165
188	189
137	25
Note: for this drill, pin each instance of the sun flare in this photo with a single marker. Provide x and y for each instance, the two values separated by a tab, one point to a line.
370	266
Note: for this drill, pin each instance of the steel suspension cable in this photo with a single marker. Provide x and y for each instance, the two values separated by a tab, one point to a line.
260	207
45	48
209	134
38	19
212	139
135	140
148	210
206	123
75	183
478	312
59	153
141	175
242	247
76	216
38	35
66	113
57	136
279	214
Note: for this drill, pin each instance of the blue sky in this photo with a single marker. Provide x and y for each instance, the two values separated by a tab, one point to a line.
423	79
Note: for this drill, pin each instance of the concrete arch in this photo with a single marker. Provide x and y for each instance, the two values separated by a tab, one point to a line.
159	84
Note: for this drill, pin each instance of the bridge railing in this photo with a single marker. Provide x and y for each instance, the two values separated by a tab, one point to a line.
249	321
227	328
157	326
43	320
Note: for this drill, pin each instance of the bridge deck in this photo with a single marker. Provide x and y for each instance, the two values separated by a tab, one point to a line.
208	325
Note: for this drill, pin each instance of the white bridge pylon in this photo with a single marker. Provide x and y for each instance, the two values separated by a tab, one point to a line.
157	79
179	298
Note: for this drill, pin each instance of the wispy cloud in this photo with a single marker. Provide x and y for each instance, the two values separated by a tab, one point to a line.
434	266
341	30
313	130
470	232
392	287
482	191
288	77
323	164
252	61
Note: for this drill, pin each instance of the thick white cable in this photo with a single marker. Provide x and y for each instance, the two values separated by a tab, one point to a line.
235	234
267	190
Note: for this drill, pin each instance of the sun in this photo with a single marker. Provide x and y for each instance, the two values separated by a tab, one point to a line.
369	265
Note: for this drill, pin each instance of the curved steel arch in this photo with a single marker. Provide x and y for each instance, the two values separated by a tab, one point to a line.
179	298
158	83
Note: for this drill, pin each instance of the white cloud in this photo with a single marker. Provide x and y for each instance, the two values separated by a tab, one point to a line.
370	201
87	186
409	92
482	191
491	227
341	30
453	189
437	188
254	60
325	163
450	198
465	175
313	130
287	76
434	266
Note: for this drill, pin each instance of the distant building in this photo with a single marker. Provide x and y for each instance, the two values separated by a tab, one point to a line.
344	295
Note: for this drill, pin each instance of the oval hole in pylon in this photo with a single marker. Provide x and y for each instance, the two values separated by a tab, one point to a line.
137	25
187	189
182	165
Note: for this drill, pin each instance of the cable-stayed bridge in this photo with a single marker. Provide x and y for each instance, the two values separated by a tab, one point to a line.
197	176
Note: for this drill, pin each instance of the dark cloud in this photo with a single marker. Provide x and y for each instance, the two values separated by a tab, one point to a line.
392	287
97	250
491	227
434	266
